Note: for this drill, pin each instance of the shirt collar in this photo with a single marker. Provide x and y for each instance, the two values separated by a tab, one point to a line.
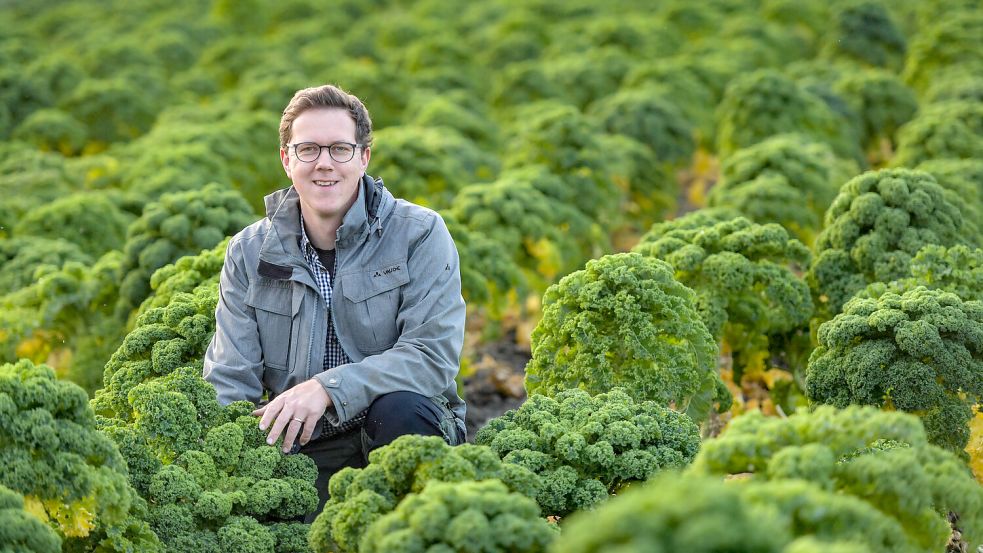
305	243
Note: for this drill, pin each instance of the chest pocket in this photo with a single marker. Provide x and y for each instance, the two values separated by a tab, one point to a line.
373	297
272	302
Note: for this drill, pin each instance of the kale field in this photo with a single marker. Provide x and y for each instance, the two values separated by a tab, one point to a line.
728	252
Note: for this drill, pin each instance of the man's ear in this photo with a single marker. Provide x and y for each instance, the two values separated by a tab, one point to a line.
285	160
366	154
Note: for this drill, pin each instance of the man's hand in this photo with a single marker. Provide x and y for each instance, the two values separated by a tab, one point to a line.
300	406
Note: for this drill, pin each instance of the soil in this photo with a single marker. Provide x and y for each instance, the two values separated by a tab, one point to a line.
496	384
956	542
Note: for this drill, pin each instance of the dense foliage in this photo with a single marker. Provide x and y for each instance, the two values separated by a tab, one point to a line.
65	309
487	270
548	134
962	180
951	129
865	32
625	321
22	531
879	458
766	103
874	227
185	275
882	101
586	447
958	269
72	474
672	514
165	342
920	351
428	165
850	481
22	257
945	43
211	481
742	275
646	116
519	212
771	182
559	137
97	222
461	516
178	224
361	498
228	490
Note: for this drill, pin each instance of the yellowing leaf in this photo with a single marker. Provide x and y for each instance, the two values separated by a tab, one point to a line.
771	376
36	348
75	519
34	506
696	193
757	361
975	446
546	254
705	164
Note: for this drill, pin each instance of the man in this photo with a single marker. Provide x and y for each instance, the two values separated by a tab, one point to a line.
343	305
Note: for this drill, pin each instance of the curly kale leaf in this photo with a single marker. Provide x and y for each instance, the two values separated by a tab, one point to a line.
53	453
874	227
461	516
920	351
626	321
675	513
865	32
360	497
586	447
958	269
765	103
520	212
809	167
742	276
176	225
22	531
883	459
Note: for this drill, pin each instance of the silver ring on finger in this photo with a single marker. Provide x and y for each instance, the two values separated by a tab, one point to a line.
296	419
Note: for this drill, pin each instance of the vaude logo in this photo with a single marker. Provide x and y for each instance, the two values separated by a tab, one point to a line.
388	271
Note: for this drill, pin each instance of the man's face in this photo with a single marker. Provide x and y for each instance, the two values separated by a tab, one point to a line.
327	188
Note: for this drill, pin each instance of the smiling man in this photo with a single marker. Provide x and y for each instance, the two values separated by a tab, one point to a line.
343	305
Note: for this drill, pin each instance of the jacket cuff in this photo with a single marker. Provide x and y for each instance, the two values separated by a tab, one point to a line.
338	411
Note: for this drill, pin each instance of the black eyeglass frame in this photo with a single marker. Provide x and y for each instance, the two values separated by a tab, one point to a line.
353	146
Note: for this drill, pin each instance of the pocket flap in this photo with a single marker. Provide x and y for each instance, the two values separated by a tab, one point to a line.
275	299
363	285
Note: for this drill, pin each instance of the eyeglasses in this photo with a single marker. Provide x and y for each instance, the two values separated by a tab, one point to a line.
308	152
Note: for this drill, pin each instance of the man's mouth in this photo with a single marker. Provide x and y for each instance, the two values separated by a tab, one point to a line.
325	183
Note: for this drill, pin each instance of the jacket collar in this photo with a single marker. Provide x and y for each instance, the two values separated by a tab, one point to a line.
280	252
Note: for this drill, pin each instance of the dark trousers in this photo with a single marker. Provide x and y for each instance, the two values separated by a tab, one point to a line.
389	417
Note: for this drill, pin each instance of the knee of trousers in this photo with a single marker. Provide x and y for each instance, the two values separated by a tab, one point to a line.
398	413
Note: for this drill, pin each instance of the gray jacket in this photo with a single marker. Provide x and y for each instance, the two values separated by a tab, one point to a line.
396	304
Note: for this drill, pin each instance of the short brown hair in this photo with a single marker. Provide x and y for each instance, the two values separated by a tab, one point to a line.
326	96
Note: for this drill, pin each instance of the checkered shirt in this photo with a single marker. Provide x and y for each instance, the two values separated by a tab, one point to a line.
334	355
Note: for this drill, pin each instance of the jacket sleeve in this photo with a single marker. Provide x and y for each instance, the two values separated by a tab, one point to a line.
426	357
233	360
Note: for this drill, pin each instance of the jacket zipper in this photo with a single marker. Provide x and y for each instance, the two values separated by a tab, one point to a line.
331	310
314	320
310	344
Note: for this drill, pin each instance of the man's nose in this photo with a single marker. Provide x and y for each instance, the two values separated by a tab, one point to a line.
324	160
